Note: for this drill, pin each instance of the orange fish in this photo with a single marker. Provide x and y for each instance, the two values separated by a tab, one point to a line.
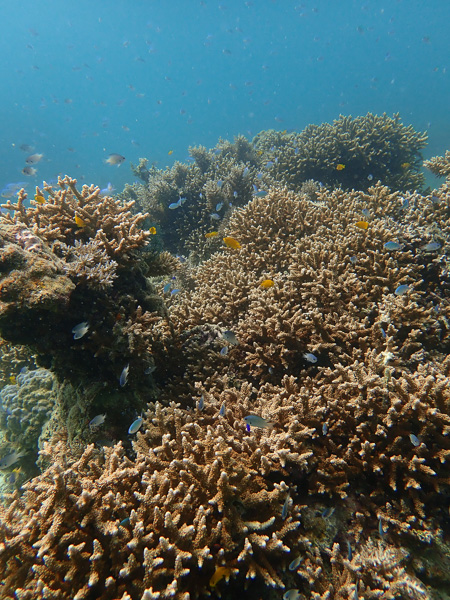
170	152
39	199
231	243
79	222
340	167
211	234
362	224
219	574
267	283
152	230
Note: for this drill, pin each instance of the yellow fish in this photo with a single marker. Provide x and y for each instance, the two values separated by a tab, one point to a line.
79	222
406	165
362	224
170	152
152	230
231	243
39	199
12	379
211	234
219	574
340	167
267	283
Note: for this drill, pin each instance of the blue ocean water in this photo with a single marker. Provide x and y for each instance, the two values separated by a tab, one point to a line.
148	78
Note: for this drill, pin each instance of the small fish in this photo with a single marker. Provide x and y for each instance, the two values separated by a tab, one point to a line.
431	247
97	421
152	231
214	216
149	370
324	429
124	376
115	159
340	167
230	337
383	333
219	206
328	512
174	205
219	183
10	459
362	224
201	403
405	165
370	176
135	425
124	522
174	291
80	330
381	531
231	243
366	212
245	172
26	148
267	283
260	194
256	421
170	152
295	563
292	594
402	289
12	379
29	171
108	190
39	199
79	222
222	410
285	509
211	234
349	551
33	159
309	357
353	259
392	246
414	439
269	164
219	574
224	351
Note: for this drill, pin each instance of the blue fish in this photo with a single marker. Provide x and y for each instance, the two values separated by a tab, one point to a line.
402	289
270	163
201	403
285	509
167	287
261	194
135	425
124	522
309	357
414	439
295	563
174	291
393	246
224	351
222	410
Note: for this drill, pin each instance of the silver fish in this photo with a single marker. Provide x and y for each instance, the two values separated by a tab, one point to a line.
201	403
115	159
230	337
80	330
222	410
124	376
431	247
285	509
256	421
10	459
97	421
414	439
293	594
309	357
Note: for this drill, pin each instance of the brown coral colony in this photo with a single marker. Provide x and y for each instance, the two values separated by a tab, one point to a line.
293	384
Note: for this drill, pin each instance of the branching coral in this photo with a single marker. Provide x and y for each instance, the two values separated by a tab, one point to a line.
439	165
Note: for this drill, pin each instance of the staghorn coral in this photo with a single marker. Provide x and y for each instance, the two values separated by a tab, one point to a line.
439	165
370	148
194	502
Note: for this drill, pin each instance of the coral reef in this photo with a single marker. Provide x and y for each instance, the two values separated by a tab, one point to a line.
189	200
